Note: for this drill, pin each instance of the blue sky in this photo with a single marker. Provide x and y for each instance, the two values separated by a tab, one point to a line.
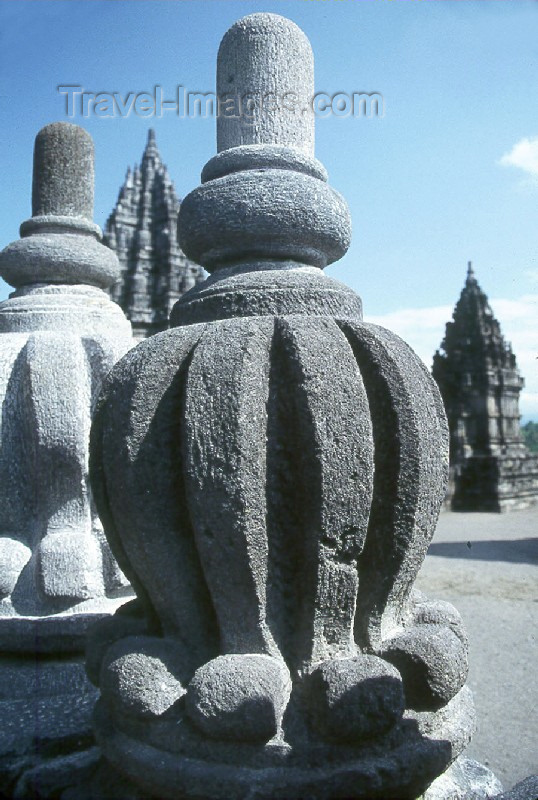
449	174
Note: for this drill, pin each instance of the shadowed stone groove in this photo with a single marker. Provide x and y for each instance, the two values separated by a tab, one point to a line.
409	436
149	443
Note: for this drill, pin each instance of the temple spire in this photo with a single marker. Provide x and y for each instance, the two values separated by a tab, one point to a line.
142	230
477	374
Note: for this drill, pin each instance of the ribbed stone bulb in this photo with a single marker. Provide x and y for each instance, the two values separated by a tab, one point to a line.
265	71
269	472
63	177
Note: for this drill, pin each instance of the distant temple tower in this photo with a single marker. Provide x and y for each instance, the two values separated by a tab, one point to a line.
142	230
491	469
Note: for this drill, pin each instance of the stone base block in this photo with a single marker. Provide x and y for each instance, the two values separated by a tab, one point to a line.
465	780
402	766
46	708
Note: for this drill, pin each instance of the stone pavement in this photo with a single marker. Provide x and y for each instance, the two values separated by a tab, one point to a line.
487	565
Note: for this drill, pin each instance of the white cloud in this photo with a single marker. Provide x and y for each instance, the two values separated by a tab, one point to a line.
424	329
532	275
524	155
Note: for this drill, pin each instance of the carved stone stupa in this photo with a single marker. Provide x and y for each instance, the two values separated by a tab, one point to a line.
142	230
59	336
269	473
476	371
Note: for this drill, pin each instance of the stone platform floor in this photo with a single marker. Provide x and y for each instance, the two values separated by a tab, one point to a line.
487	566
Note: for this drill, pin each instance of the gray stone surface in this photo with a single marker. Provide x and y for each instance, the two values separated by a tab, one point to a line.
63	174
46	708
159	661
239	697
59	336
55	775
353	699
265	61
525	790
432	656
269	474
465	780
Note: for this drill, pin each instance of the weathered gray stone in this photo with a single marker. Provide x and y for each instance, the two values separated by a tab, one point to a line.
269	474
239	697
353	699
254	214
63	174
59	336
525	790
111	629
54	775
465	780
14	556
158	661
46	709
265	62
432	661
56	555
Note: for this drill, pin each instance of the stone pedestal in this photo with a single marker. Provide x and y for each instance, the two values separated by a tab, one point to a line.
59	336
269	473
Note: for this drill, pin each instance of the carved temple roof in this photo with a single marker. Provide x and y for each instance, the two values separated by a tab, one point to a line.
142	230
473	339
479	380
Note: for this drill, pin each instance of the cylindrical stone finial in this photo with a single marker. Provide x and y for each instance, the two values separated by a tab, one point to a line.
60	243
63	176
264	197
265	85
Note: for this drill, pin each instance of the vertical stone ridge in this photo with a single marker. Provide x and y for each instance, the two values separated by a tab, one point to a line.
405	506
154	449
225	434
335	466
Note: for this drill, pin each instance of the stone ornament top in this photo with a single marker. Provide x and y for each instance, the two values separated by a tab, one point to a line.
60	243
63	176
265	63
269	473
264	195
59	336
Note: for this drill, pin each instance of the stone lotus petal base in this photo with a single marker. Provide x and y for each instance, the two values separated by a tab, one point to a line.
419	749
